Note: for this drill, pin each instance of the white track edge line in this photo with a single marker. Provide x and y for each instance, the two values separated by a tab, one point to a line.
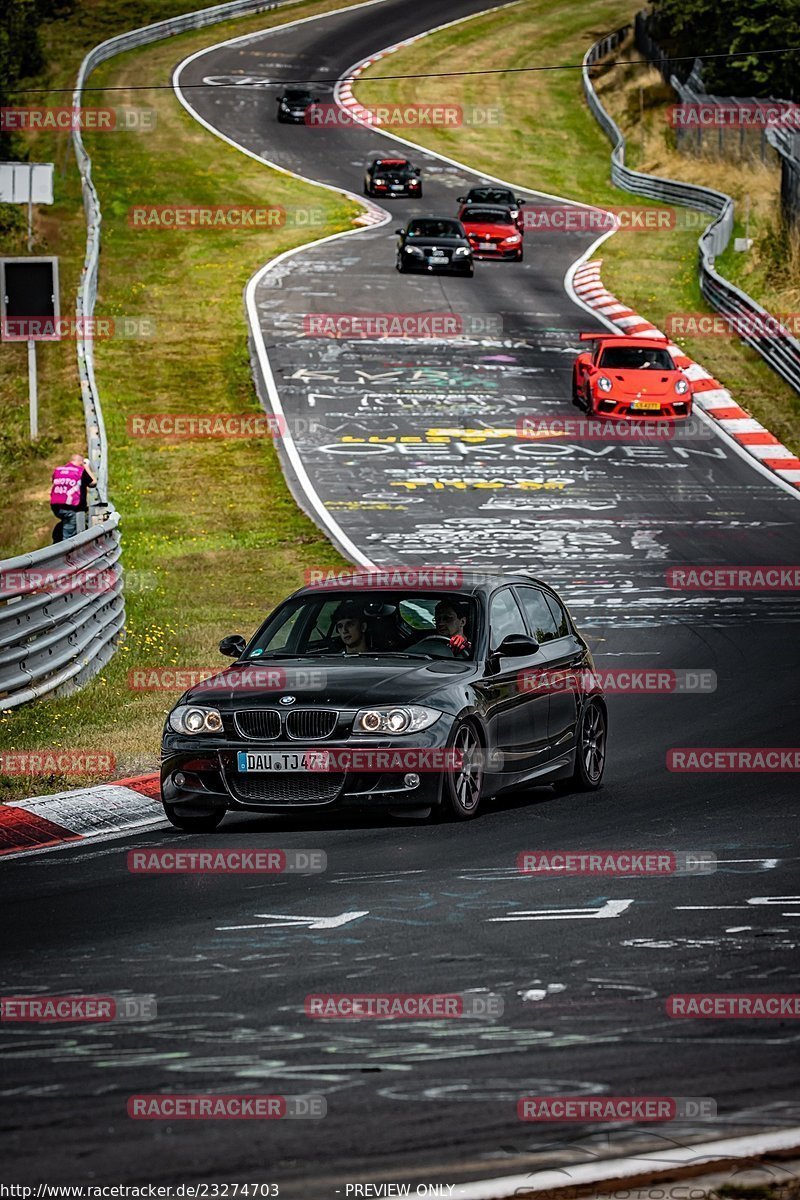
700	1154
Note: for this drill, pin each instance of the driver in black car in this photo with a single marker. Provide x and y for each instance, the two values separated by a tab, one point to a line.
350	627
451	622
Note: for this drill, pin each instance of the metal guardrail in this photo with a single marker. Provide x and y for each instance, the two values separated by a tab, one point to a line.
777	347
62	608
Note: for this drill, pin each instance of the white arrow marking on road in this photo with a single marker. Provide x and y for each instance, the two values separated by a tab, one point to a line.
276	920
611	908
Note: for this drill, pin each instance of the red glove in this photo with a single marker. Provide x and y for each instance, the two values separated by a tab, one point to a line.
459	644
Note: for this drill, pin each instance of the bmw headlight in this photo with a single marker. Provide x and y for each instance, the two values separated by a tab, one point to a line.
513	238
681	387
604	383
189	718
463	250
405	718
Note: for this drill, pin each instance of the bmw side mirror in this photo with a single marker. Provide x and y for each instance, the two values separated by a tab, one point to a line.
520	202
232	646
517	645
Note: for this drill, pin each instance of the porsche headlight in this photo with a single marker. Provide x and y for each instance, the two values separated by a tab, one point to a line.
604	383
405	718
681	387
189	718
379	181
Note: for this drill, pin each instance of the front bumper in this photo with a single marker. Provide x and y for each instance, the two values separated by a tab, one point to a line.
507	253
213	782
613	408
452	266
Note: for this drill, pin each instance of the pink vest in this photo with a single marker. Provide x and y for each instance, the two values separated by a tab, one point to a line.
66	487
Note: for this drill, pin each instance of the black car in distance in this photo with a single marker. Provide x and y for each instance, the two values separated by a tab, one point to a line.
496	195
392	177
294	103
430	695
430	244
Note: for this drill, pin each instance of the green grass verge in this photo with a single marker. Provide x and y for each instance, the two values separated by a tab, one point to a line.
550	140
212	537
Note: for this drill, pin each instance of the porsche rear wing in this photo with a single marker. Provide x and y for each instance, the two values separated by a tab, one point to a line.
593	337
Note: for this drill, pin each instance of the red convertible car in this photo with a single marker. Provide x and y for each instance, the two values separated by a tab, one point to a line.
624	377
492	231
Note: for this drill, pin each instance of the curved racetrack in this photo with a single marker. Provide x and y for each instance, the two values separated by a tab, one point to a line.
444	907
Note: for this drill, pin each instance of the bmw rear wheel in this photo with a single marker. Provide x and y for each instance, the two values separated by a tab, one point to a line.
590	751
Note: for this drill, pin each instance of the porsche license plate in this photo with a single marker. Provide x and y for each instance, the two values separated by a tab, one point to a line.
646	405
282	760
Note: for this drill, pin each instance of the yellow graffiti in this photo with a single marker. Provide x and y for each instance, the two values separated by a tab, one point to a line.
443	435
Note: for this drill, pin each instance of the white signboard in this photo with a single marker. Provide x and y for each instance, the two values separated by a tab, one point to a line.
26	183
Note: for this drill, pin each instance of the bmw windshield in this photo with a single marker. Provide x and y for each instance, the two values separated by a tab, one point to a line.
393	624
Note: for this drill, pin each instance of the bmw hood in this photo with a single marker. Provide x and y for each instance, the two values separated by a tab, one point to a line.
346	682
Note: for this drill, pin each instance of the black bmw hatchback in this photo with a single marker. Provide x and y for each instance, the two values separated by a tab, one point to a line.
434	691
432	244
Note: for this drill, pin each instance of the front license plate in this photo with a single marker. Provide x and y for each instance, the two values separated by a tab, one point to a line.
437	260
486	245
397	187
646	405
282	760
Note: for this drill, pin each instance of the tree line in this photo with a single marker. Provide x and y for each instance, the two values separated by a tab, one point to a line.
742	27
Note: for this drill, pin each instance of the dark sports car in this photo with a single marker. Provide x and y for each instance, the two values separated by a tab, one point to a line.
294	103
392	177
411	698
434	244
494	194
